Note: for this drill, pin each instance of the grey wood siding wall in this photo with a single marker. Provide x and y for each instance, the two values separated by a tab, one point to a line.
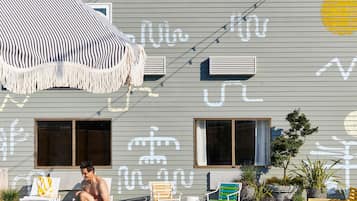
291	45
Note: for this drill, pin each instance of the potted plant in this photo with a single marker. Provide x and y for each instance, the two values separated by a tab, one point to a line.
261	192
9	195
252	189
315	174
285	147
248	179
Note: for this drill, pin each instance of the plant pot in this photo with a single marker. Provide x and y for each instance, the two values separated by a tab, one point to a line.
281	193
316	193
247	193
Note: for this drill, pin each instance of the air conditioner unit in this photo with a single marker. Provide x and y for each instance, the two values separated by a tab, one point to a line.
155	65
232	65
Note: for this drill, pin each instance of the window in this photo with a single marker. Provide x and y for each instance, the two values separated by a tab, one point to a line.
232	142
68	142
103	9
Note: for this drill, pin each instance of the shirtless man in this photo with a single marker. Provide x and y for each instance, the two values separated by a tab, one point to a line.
94	188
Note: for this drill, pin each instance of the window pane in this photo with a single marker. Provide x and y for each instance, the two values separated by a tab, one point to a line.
54	143
245	142
219	142
93	142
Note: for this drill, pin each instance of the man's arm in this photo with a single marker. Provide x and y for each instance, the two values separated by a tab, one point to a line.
103	190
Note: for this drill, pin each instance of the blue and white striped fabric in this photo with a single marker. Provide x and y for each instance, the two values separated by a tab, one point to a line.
46	44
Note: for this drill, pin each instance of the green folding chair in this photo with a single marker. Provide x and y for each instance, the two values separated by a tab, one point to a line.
227	191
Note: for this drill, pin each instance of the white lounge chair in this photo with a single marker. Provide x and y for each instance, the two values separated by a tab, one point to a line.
163	191
44	189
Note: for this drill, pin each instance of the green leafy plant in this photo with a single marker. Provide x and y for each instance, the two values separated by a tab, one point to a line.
298	196
286	146
287	180
316	173
9	195
261	191
249	174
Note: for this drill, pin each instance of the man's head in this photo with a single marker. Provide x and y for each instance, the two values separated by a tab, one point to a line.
87	169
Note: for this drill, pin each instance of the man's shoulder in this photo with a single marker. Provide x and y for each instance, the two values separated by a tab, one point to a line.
100	180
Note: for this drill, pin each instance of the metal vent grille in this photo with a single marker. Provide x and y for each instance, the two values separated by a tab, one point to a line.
155	65
232	65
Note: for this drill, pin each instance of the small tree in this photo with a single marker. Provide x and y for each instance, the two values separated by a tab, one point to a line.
286	146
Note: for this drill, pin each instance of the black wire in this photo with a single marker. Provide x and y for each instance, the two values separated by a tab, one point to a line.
244	14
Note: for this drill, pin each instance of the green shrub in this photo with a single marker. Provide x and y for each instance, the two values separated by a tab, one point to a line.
286	146
261	191
315	173
9	195
249	174
298	196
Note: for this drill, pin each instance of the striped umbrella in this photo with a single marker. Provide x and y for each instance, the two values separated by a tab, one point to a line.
64	43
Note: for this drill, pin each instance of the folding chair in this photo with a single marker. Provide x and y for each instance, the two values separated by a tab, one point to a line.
227	191
109	185
44	189
162	191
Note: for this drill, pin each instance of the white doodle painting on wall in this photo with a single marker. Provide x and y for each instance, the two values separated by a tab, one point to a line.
223	94
164	34
163	174
153	141
8	140
344	152
123	171
127	99
243	26
344	73
19	104
134	179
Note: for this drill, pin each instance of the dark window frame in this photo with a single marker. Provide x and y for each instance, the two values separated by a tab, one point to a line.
73	120
233	165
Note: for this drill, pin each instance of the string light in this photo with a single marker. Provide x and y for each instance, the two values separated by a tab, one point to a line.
194	48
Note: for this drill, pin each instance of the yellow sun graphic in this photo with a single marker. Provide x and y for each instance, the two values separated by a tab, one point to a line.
339	16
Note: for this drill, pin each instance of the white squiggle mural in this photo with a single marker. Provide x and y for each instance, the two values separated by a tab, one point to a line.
123	171
224	84
130	179
8	97
153	141
8	141
127	99
120	109
165	35
343	153
344	74
146	89
175	173
28	179
243	26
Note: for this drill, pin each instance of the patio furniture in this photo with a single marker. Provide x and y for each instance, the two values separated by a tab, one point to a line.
353	194
109	185
226	191
163	191
44	189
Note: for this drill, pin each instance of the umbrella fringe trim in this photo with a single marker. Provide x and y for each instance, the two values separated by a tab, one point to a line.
66	74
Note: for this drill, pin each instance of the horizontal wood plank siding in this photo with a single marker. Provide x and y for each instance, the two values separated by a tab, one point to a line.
301	64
